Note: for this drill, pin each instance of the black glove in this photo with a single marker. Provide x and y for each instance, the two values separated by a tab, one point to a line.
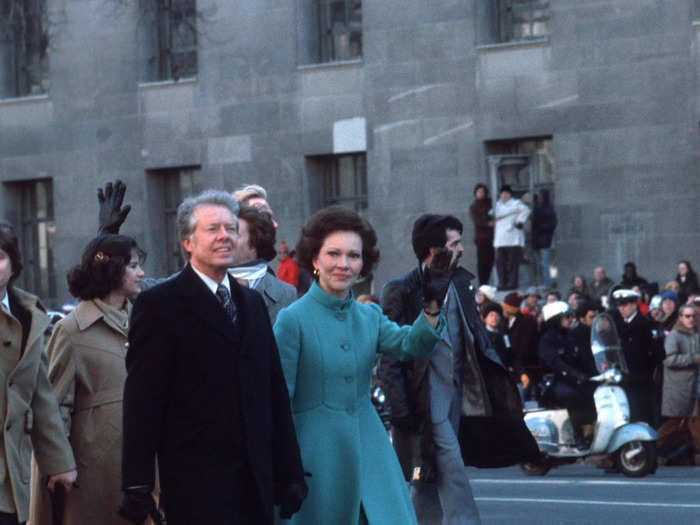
436	277
112	215
292	499
137	504
519	225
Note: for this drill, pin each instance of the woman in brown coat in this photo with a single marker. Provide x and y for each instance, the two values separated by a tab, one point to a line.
87	370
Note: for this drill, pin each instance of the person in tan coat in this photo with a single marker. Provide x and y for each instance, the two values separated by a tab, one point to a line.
28	409
87	370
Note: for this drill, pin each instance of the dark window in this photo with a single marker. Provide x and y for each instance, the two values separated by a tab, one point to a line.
37	236
174	40
23	46
177	184
523	19
331	30
345	181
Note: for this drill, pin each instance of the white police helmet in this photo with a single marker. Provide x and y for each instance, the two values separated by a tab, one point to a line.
551	310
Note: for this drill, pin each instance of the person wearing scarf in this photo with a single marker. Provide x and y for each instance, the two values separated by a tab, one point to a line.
87	371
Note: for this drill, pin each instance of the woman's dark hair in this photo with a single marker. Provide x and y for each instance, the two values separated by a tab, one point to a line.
261	231
336	219
10	245
481	185
102	267
691	275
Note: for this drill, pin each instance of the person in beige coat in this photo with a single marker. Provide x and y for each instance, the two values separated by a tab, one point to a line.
28	408
87	370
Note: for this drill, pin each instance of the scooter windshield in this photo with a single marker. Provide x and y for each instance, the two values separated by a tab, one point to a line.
606	345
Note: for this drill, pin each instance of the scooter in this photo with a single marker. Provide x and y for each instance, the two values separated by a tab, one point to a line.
632	445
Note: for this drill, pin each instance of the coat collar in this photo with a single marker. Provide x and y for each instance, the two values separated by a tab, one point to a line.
87	314
204	304
328	300
39	320
269	286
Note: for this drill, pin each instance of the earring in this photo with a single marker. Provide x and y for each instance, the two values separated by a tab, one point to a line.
315	272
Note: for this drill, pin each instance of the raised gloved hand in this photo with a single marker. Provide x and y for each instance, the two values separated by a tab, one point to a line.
112	215
137	504
436	277
292	499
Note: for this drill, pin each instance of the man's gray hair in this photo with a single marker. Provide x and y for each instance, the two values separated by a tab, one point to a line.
186	221
249	191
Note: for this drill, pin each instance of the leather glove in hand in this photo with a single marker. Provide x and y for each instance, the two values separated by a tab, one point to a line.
137	505
436	277
292	499
112	215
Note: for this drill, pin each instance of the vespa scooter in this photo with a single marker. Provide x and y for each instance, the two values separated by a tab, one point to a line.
632	445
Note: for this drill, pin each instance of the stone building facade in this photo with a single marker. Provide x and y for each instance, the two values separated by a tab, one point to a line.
394	107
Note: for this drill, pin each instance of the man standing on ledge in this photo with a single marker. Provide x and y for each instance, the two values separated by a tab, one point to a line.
205	390
510	215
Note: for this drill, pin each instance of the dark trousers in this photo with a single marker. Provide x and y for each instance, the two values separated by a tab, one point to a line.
9	519
578	400
484	259
507	261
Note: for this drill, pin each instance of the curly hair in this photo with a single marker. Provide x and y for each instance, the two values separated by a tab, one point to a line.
261	231
101	270
336	219
10	245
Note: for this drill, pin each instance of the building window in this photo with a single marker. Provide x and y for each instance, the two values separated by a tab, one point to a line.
37	235
23	48
331	30
344	180
523	19
176	185
171	40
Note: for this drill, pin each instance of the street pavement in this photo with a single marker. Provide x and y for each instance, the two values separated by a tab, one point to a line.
584	494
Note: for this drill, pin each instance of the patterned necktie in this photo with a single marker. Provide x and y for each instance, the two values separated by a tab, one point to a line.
225	298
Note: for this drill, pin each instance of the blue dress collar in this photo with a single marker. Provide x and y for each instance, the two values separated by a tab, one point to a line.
328	300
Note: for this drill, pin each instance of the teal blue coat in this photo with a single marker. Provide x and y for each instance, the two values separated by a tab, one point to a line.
327	347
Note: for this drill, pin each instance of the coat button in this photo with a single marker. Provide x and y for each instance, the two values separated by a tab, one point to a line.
6	343
9	426
345	346
340	316
349	379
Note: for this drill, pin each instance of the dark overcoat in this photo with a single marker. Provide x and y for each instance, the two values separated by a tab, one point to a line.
200	393
494	434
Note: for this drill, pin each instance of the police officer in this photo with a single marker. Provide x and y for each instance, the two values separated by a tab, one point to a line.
642	353
570	387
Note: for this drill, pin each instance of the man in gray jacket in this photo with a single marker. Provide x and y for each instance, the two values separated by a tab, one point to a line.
255	247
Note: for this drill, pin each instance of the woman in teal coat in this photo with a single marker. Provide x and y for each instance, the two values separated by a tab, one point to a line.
327	344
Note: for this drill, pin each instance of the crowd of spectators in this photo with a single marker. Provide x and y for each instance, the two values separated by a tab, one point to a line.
663	388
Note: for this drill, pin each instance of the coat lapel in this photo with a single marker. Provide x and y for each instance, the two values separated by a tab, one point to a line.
202	303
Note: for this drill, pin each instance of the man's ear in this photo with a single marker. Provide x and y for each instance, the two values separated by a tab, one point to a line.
186	245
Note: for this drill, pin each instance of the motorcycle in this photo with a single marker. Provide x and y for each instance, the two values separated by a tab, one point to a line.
632	445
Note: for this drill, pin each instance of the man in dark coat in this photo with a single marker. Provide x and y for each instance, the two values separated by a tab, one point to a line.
460	398
544	222
205	391
483	232
641	351
522	335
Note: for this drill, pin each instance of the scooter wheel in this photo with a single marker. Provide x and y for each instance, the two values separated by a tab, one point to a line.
636	459
535	469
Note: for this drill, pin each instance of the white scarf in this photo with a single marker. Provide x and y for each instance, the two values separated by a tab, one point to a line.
252	274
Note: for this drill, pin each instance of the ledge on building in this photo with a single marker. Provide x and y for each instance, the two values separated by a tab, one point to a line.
167	83
330	65
514	44
27	99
